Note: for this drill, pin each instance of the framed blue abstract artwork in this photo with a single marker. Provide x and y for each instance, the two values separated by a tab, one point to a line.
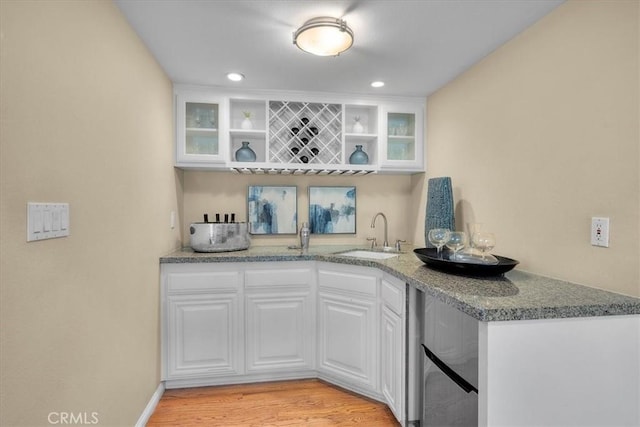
332	210
272	210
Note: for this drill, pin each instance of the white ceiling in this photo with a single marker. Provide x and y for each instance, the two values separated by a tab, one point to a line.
415	46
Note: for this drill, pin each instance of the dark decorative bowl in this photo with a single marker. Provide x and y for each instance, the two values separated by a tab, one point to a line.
430	257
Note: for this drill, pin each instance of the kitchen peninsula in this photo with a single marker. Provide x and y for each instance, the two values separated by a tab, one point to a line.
540	340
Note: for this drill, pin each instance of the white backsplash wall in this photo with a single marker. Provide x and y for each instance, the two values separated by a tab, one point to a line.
225	192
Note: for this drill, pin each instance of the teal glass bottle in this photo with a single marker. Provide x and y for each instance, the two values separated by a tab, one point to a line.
359	157
245	153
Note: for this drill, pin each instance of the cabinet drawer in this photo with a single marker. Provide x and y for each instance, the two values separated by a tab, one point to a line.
393	296
366	285
201	281
280	277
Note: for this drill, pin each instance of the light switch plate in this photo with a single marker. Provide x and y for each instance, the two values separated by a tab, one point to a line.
47	221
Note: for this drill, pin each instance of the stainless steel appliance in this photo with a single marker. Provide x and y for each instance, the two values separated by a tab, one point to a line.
450	371
219	236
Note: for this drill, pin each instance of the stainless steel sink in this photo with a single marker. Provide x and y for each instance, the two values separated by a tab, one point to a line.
369	254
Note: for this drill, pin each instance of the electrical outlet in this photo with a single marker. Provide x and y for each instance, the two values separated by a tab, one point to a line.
600	232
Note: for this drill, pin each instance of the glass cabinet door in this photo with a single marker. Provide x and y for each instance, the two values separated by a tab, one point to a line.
201	123
404	140
401	136
198	130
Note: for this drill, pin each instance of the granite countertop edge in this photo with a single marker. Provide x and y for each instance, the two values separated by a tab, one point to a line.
516	295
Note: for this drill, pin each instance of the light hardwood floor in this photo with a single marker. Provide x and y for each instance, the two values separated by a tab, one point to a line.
285	403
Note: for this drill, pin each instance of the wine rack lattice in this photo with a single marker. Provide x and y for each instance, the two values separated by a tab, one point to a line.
305	132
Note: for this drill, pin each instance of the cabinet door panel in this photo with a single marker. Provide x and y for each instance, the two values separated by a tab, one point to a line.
203	335
393	345
347	340
201	131
403	143
279	331
393	295
392	360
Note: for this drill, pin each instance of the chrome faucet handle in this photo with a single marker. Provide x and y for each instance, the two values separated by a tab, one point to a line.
373	241
398	247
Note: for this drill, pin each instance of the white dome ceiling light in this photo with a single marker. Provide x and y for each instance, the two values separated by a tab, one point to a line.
324	36
235	77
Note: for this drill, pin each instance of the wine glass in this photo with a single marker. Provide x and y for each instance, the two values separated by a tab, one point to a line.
438	237
212	118
473	228
484	242
198	117
457	240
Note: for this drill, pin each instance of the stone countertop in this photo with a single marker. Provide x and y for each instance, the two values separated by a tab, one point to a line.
514	296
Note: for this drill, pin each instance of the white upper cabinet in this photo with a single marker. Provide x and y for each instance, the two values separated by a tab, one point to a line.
403	142
297	133
201	135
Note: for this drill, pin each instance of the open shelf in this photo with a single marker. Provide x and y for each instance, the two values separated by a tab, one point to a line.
256	109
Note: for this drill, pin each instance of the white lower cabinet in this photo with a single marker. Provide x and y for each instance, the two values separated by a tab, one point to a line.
203	335
347	326
392	346
228	323
347	339
280	319
202	321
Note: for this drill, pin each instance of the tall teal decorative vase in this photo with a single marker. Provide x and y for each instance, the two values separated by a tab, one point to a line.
439	206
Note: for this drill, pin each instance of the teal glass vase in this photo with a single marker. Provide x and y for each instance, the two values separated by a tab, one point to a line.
245	153
359	157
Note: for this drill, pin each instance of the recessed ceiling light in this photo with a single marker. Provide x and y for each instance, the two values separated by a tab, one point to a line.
235	77
377	84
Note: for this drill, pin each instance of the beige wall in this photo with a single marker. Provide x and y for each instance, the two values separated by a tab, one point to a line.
86	119
542	135
207	192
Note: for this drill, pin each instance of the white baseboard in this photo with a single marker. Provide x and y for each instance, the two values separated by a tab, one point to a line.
240	379
151	406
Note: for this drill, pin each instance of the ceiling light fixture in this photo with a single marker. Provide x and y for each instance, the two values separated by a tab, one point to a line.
324	36
377	84
235	77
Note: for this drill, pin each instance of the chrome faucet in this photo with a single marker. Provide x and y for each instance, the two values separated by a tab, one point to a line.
373	225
